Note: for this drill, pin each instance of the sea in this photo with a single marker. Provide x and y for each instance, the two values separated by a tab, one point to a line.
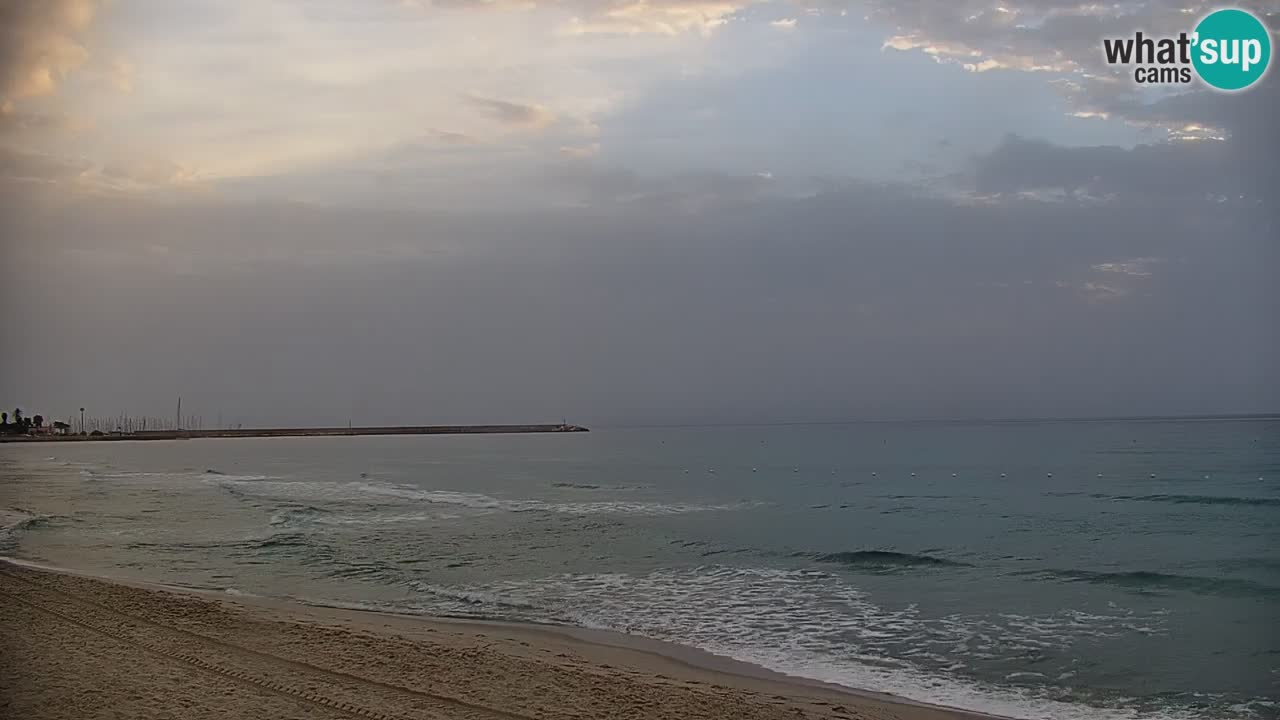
1058	570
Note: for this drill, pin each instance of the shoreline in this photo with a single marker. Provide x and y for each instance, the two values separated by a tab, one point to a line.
645	669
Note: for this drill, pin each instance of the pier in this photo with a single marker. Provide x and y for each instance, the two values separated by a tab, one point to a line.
297	432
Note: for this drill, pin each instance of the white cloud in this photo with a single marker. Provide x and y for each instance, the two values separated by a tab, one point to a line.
1058	37
661	17
1135	267
581	151
1097	292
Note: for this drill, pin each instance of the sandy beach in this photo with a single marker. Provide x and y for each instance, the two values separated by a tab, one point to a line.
81	647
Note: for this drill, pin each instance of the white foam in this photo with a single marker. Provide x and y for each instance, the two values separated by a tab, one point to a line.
810	624
93	473
309	516
307	490
30	564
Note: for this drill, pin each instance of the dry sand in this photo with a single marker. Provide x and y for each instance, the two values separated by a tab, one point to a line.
78	647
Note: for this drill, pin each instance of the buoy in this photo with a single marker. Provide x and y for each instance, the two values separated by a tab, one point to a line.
795	469
1048	474
913	474
1003	475
1206	477
953	474
1099	474
753	469
1153	474
874	474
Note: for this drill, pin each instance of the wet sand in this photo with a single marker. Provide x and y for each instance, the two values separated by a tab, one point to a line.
73	646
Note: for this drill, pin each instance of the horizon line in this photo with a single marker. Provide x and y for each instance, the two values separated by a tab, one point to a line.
1270	415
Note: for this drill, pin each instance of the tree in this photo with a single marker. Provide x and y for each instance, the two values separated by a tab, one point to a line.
5	420
17	416
38	420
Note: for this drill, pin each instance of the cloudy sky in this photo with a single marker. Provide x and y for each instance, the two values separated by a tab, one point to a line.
627	211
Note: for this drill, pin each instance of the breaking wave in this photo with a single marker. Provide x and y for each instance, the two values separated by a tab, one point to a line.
297	516
810	624
589	486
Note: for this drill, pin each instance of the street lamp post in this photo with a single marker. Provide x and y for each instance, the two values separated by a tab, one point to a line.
81	421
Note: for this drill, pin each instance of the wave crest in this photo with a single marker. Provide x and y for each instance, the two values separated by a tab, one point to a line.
1150	581
297	516
15	520
885	559
305	492
1198	499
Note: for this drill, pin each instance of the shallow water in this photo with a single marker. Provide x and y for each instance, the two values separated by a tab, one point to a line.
1062	570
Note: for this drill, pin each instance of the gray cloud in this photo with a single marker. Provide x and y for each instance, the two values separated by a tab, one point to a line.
146	171
513	113
23	167
1238	166
74	175
14	121
40	42
452	138
1248	119
857	301
1164	169
1053	36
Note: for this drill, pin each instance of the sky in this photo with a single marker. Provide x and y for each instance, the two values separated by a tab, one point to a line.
627	212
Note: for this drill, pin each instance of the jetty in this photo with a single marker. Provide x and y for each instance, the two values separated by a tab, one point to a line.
99	436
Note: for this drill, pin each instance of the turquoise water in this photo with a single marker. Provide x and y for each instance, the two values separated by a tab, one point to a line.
1057	570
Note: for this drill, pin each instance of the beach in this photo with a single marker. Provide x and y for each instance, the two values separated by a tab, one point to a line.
1025	571
77	646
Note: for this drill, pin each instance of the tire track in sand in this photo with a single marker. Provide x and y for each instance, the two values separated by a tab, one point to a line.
446	707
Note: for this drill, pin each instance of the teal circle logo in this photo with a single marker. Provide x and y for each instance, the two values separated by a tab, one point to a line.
1232	49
